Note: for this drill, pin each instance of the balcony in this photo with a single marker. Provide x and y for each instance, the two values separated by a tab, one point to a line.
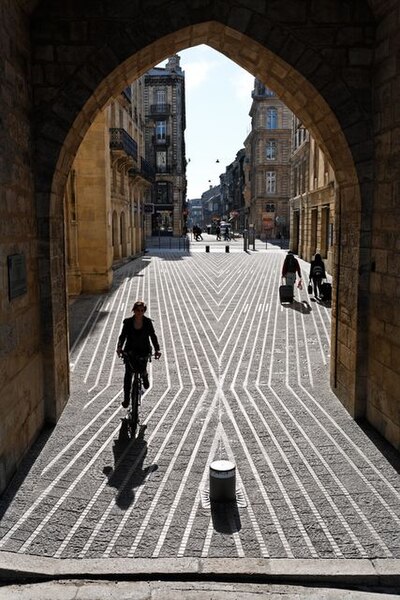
145	170
161	141
121	140
160	109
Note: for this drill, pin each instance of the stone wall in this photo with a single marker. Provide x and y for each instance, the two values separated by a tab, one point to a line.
92	167
383	391
22	409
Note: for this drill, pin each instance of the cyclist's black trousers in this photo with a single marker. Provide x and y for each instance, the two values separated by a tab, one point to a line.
129	375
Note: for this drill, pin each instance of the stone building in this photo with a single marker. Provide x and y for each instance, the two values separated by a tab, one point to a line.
108	185
268	153
213	208
164	100
232	192
336	69
312	203
196	214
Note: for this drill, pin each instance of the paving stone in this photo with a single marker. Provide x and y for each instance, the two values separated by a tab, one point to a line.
240	378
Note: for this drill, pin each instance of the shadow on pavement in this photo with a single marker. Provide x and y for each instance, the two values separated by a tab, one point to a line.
24	469
225	517
128	472
387	450
302	307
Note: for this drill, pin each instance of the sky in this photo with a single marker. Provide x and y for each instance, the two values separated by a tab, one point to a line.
218	101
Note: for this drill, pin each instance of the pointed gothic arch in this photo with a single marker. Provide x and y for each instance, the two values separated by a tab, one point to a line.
81	57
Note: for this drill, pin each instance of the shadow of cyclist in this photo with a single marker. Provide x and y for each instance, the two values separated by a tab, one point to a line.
128	472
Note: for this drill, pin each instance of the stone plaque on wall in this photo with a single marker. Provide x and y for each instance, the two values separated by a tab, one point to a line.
16	275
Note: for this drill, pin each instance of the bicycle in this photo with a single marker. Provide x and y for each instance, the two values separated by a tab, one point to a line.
138	365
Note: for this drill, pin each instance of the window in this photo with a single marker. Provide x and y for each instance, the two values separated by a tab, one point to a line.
272	118
161	161
161	130
160	96
270	149
162	196
271	182
270	208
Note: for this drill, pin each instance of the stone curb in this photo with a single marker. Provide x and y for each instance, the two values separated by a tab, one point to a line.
17	568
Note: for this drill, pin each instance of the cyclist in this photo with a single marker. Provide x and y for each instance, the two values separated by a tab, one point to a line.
137	331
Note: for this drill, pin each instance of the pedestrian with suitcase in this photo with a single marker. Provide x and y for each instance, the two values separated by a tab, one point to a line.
326	292
317	275
290	270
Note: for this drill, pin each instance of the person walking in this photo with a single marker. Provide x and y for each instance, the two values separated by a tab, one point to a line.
317	274
134	340
218	232
197	233
290	269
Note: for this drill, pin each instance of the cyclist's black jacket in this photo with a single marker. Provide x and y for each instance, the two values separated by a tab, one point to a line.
137	341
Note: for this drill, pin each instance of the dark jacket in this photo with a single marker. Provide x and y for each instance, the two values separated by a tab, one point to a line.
317	269
291	265
137	341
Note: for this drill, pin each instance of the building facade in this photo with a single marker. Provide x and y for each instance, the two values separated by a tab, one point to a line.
232	192
312	203
164	101
108	186
213	209
268	164
195	213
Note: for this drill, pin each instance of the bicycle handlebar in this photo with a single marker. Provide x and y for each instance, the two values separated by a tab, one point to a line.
127	357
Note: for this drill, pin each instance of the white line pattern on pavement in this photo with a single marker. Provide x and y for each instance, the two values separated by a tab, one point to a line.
241	377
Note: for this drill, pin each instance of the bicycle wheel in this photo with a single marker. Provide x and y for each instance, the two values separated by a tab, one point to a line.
134	412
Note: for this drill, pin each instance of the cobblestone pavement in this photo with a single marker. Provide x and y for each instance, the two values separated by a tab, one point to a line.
241	378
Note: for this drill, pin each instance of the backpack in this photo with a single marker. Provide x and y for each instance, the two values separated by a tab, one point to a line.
317	271
291	263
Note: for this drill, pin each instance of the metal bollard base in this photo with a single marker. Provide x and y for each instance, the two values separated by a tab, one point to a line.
226	248
207	248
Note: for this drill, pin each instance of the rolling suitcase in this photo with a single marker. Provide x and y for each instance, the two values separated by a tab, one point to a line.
326	292
286	293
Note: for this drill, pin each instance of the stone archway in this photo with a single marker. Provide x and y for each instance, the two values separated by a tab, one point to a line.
275	48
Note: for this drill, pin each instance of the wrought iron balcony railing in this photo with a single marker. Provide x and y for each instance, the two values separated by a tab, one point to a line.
160	109
161	141
121	140
145	170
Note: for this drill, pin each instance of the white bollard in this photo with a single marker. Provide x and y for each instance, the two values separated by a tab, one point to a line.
222	481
